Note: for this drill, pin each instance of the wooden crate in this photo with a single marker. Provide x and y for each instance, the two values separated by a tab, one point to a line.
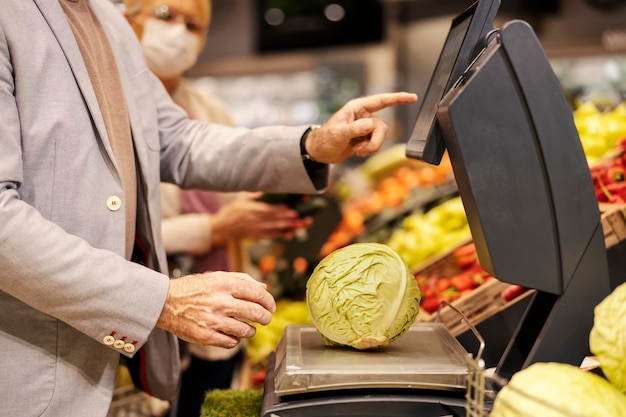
440	263
481	303
613	223
485	301
477	305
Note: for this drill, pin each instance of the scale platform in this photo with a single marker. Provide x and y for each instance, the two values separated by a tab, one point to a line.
422	373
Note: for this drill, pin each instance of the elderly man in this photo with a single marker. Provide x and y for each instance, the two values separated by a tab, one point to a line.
202	225
87	133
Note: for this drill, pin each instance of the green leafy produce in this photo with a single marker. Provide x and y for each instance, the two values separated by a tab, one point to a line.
558	390
362	295
607	339
232	403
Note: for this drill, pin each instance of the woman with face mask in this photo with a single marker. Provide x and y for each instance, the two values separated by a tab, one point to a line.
172	34
199	223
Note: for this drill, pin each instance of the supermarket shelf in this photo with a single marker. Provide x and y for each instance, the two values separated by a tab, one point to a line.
419	198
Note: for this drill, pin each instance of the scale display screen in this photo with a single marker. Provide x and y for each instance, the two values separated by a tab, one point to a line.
467	37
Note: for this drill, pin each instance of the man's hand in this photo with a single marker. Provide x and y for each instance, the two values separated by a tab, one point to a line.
355	129
216	308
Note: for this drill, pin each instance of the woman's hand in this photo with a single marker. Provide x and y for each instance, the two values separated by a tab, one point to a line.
248	218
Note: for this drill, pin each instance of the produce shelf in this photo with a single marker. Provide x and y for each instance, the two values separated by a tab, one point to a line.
418	199
476	305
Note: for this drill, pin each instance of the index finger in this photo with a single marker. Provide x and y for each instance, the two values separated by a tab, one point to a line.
254	291
376	102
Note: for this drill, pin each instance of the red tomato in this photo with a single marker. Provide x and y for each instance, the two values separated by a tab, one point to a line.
463	282
616	174
512	292
615	192
466	261
259	377
430	304
464	250
428	292
443	284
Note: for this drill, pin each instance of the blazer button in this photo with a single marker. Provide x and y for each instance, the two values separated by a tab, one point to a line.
114	203
108	340
129	347
119	344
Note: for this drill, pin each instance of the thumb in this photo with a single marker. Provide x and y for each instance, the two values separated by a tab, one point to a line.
249	195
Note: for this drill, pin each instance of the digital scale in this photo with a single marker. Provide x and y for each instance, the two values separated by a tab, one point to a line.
496	105
306	378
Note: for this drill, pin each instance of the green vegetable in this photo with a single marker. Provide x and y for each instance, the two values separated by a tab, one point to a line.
607	339
232	403
558	390
362	295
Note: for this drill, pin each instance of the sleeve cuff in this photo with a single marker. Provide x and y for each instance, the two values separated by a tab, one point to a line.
317	171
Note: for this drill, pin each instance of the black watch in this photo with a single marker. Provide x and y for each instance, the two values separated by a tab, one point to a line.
303	153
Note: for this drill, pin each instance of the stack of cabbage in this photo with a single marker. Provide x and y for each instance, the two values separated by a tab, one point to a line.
363	296
561	390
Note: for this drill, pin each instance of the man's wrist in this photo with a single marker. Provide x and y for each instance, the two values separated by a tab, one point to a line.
318	171
303	150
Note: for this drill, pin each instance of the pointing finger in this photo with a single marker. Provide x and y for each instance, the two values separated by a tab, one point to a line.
364	106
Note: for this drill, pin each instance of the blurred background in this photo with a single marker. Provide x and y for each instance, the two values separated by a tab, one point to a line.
293	62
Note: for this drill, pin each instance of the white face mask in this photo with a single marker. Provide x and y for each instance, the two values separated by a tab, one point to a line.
169	48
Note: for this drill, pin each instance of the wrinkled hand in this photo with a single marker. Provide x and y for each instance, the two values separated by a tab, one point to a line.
216	308
355	129
248	218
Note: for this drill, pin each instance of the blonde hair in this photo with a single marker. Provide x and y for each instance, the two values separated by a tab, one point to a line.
133	7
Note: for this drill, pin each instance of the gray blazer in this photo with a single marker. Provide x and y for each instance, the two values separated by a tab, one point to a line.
64	284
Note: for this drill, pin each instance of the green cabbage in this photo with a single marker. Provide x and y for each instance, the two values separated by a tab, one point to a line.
362	295
558	390
607	339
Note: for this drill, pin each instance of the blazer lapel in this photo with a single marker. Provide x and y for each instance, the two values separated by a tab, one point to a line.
54	15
